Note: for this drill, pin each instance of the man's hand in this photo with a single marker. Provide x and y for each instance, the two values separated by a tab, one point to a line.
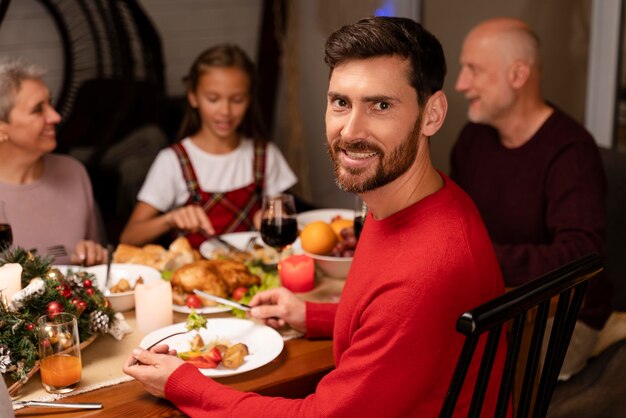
89	253
282	304
154	367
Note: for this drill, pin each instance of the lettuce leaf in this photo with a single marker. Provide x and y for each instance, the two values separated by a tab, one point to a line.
269	280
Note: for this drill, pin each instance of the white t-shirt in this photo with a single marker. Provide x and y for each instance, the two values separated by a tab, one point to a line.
165	187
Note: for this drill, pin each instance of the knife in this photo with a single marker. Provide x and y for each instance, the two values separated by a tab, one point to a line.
81	405
223	301
222	242
227	244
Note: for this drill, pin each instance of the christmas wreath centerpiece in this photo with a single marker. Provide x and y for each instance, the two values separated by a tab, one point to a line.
45	290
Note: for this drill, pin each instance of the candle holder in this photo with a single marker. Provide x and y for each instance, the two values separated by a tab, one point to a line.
297	273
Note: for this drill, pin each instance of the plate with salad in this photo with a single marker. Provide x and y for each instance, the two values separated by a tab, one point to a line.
216	345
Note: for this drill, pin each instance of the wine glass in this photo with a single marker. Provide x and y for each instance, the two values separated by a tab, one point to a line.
279	227
6	234
360	212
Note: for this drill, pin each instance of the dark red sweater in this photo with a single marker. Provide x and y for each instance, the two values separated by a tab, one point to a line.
543	203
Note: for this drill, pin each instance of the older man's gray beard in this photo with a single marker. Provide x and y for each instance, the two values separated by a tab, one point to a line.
388	169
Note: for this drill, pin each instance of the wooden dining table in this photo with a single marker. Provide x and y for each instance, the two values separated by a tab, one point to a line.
295	373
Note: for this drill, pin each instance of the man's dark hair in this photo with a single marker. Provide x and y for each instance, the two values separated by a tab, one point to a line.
379	36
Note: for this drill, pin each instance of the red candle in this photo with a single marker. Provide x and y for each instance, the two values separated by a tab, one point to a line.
297	273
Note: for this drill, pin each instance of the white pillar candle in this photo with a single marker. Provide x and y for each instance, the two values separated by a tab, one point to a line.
10	280
153	306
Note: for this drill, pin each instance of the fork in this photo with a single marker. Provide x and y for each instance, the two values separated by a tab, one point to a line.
250	245
56	251
135	361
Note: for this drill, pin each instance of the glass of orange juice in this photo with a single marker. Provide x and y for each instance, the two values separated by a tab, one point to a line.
59	352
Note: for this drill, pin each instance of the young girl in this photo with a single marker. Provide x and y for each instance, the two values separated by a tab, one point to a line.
213	180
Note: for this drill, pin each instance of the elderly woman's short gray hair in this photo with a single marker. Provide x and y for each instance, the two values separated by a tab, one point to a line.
12	72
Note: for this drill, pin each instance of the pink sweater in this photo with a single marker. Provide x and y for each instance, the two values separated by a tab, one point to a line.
394	333
57	209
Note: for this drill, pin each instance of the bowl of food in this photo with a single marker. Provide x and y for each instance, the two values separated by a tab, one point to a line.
327	236
331	266
124	278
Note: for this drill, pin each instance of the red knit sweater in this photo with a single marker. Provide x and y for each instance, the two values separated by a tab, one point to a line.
395	342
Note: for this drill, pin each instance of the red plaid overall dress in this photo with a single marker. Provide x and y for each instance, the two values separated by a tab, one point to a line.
228	211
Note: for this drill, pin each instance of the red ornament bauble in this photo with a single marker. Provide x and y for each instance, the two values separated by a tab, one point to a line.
87	283
30	326
90	291
80	305
54	308
64	290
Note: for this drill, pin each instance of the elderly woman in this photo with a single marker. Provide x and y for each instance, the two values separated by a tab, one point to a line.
48	198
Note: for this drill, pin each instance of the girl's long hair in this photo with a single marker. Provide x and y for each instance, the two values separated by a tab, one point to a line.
224	55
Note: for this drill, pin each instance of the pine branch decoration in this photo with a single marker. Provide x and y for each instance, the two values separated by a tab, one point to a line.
45	290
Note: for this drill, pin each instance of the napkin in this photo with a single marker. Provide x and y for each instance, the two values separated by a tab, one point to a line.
120	327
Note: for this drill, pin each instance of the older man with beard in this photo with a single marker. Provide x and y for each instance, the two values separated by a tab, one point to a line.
424	256
534	173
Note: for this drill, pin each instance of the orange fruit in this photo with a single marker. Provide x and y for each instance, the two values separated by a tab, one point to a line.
318	238
339	224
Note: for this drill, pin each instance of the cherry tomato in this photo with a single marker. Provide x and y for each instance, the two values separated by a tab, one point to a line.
202	363
193	301
239	292
213	355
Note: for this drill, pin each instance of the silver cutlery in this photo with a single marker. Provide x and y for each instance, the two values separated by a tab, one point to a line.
251	243
56	251
226	244
223	301
79	405
107	280
135	361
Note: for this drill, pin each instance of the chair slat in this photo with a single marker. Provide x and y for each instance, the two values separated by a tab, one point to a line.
462	366
510	364
554	359
486	365
532	361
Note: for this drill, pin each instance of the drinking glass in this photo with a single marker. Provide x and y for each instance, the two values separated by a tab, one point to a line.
59	352
6	234
360	212
279	227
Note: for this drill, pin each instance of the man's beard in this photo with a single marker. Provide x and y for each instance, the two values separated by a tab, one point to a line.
388	169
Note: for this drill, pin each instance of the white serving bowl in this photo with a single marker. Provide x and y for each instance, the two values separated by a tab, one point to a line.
337	267
123	301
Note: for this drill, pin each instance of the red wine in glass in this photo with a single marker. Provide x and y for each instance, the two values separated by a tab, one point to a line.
6	236
360	212
358	226
279	232
279	226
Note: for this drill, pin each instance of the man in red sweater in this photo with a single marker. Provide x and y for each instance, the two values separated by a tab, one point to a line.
424	256
534	173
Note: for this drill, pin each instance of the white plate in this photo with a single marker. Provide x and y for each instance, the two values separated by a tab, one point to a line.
264	343
240	240
325	215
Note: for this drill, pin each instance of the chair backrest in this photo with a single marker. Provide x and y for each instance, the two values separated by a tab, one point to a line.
568	284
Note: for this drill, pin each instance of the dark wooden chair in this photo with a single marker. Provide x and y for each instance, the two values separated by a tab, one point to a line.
568	284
